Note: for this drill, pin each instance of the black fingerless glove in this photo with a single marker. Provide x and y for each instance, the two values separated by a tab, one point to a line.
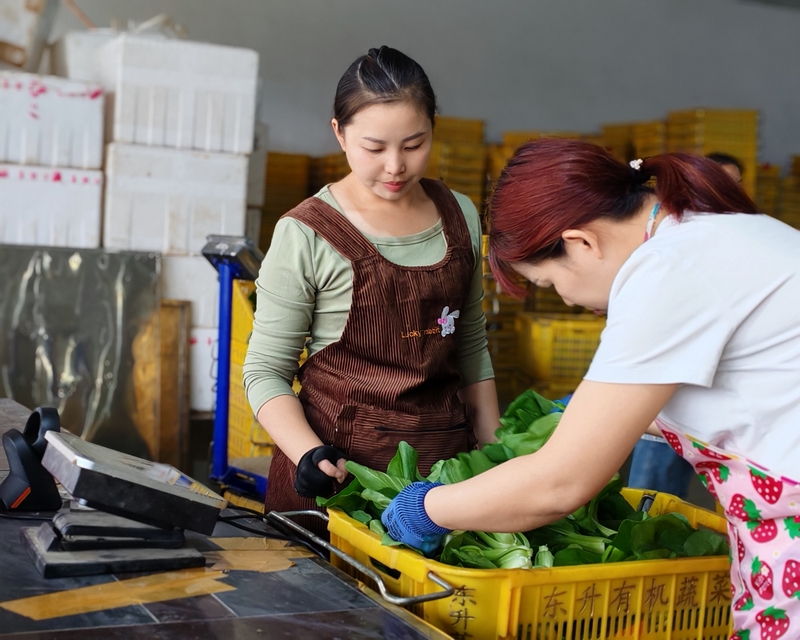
309	481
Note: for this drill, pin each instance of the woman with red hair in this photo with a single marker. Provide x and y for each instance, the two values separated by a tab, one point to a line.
702	295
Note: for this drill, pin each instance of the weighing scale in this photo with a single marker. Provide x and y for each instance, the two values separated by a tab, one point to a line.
128	513
235	258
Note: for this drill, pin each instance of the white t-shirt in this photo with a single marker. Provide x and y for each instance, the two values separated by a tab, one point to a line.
713	302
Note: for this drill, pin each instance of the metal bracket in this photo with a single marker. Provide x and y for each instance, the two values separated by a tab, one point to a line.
284	519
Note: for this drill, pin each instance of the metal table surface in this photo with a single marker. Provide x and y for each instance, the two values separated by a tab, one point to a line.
311	599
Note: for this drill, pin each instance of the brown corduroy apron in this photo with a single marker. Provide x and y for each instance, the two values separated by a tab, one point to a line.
393	375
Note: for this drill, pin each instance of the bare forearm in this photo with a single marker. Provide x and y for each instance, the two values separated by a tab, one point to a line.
519	495
284	420
481	397
590	444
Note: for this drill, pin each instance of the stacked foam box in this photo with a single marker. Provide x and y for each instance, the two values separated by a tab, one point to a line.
286	187
731	131
51	149
768	182
180	125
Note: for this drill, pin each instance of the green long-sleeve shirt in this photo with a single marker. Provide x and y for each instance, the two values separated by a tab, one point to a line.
304	290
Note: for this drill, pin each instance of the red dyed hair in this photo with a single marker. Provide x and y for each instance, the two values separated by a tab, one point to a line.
552	185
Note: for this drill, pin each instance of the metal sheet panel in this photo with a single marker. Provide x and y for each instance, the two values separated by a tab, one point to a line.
80	332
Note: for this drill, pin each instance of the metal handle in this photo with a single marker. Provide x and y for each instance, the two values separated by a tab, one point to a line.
284	519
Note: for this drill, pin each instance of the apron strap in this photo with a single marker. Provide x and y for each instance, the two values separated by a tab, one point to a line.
343	236
331	225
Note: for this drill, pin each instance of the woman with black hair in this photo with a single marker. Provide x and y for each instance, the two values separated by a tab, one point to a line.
382	272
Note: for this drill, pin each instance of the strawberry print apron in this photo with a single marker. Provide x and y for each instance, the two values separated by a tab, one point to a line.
763	513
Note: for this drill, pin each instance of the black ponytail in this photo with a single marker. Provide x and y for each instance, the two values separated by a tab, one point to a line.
382	76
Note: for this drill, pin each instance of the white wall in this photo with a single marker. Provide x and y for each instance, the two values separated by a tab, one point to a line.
519	64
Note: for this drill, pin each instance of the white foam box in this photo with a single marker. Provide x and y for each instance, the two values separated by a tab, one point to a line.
174	93
50	207
24	25
257	167
195	279
253	225
49	121
169	200
203	342
73	55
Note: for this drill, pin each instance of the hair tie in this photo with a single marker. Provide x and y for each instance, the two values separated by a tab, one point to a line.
637	175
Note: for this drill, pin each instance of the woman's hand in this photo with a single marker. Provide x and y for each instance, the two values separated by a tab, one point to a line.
317	469
407	521
336	471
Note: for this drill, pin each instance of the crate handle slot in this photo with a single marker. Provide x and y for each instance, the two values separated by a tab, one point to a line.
284	518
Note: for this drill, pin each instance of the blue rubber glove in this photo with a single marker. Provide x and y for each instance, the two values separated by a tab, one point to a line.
406	521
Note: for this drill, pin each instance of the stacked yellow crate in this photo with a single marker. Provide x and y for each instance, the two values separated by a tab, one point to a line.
461	166
795	169
498	155
789	201
501	311
458	157
556	349
450	129
327	169
286	187
618	139
515	139
731	131
768	182
649	138
246	437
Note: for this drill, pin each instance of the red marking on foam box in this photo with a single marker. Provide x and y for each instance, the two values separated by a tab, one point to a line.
85	179
94	94
192	340
37	88
56	176
3	173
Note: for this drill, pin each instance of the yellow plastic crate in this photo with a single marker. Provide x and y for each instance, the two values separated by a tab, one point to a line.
548	301
556	347
679	599
246	437
452	129
515	139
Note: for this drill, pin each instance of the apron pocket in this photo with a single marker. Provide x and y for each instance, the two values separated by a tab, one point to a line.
376	434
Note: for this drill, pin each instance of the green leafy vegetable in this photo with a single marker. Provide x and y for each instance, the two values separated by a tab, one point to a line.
404	463
606	529
376	480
